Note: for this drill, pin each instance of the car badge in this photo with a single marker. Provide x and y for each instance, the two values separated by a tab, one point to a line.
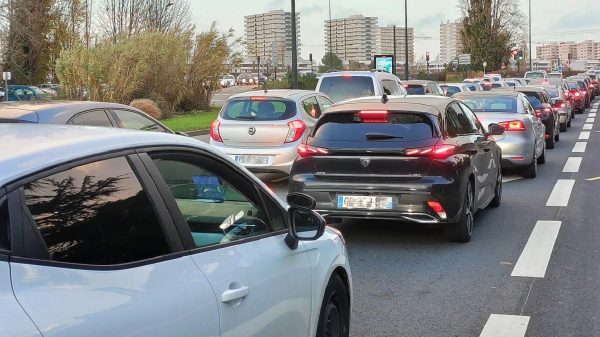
365	162
251	131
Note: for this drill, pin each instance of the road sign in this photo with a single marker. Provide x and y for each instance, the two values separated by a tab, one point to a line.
561	68
6	76
464	59
484	64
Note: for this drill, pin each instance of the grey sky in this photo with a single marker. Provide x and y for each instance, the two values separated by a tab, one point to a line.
552	19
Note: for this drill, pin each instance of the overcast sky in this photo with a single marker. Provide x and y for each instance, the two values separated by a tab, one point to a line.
553	20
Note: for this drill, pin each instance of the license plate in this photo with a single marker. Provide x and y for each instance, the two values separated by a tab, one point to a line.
252	160
364	202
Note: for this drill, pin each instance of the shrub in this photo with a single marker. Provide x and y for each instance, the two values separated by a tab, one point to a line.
148	106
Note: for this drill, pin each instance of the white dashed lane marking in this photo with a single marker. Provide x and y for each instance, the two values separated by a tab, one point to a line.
592	114
572	165
588	126
579	147
584	135
505	326
589	120
535	257
561	193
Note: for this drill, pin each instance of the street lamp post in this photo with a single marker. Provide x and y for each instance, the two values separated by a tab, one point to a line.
406	40
330	45
294	48
530	57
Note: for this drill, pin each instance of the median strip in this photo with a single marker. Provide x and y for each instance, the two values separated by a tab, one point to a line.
505	326
535	257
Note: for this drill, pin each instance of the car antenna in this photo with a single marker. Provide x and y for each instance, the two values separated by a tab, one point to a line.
384	98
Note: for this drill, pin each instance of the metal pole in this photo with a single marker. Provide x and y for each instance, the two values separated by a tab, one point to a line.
330	45
294	48
530	57
406	73
395	65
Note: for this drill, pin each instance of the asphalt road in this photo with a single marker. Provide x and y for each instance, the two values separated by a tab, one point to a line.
530	269
222	95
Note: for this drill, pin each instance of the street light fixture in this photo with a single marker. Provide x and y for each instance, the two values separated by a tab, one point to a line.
406	72
294	48
530	57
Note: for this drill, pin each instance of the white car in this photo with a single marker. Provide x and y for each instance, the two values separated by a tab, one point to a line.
107	232
227	81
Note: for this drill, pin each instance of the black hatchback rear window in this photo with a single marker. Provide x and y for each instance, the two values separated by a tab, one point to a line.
400	127
415	89
340	88
259	109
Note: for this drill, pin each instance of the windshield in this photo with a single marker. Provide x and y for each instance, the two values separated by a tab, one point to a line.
259	109
492	104
341	88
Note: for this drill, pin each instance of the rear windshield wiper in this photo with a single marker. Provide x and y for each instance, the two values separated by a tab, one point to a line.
246	117
383	136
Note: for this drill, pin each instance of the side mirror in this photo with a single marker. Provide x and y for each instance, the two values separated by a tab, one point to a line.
304	225
301	200
495	130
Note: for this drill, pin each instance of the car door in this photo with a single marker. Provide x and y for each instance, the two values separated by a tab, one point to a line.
469	143
95	253
491	161
235	233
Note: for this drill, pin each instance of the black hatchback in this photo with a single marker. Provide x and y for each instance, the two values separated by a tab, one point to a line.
419	159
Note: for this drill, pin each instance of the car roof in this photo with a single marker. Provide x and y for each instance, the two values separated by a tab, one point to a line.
417	103
26	149
530	88
418	82
507	92
48	110
277	93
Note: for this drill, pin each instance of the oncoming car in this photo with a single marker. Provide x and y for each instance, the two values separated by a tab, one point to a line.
127	233
419	159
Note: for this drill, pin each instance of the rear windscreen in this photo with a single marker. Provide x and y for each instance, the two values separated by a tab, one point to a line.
259	110
340	88
400	127
572	85
492	104
496	85
450	90
553	93
415	89
554	76
534	75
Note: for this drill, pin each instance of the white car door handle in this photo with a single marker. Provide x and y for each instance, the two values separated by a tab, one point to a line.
231	295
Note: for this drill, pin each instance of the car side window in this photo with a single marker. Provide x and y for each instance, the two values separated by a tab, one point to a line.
528	107
92	118
4	229
324	103
219	208
96	214
462	124
472	118
390	87
311	107
452	124
135	121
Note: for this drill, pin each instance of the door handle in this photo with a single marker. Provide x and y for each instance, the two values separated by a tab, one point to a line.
231	295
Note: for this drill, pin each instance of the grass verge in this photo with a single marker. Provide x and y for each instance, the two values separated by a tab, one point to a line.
196	120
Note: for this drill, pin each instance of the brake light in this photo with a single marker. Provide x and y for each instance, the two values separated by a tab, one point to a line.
560	105
437	152
515	125
591	86
215	133
437	208
346	75
306	151
258	98
296	131
374	116
577	94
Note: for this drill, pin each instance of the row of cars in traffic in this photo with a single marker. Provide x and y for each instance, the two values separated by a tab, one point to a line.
96	223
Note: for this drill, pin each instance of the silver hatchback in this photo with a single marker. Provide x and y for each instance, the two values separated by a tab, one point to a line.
262	130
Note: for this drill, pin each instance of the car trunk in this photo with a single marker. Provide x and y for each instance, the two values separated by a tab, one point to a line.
252	134
487	118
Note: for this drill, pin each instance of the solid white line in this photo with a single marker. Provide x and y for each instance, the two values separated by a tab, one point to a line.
505	326
588	126
561	193
584	135
536	254
589	120
579	147
572	165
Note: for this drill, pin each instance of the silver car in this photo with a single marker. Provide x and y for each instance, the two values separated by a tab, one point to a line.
454	88
523	145
262	130
561	104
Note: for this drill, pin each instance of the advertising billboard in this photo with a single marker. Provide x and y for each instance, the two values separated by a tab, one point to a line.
385	63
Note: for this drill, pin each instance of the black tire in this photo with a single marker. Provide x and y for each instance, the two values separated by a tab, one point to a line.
497	191
563	126
569	121
550	142
557	137
462	230
531	170
542	159
334	319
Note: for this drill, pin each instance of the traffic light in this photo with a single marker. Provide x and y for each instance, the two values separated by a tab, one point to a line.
427	56
515	53
520	55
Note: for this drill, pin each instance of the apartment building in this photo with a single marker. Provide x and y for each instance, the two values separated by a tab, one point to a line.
451	43
269	35
352	39
565	50
547	51
385	43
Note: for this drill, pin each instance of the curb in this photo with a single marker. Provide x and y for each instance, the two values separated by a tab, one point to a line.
197	133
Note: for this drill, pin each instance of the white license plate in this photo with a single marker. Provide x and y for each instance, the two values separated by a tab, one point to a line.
251	160
364	202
